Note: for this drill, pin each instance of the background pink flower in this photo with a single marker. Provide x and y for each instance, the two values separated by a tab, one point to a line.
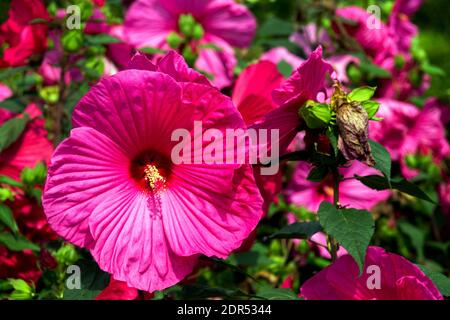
400	280
21	38
225	23
405	130
113	188
353	193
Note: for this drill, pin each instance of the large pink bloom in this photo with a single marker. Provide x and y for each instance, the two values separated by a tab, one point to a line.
303	192
31	147
21	38
407	130
304	83
113	189
400	280
252	95
226	24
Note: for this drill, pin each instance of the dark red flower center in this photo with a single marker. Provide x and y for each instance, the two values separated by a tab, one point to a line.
151	170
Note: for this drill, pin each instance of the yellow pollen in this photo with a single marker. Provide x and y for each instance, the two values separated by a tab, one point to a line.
328	191
153	177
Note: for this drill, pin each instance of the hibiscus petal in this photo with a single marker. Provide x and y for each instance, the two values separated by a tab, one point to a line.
230	21
219	63
131	244
305	82
148	23
201	219
79	178
252	91
132	106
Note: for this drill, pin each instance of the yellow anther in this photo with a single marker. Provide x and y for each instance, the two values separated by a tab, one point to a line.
153	177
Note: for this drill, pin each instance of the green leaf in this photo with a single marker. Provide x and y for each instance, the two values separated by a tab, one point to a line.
100	39
371	107
231	267
316	115
34	176
275	27
11	130
4	9
13	104
332	134
150	50
284	68
382	159
441	281
7	218
9	181
381	183
211	46
352	228
362	94
22	290
17	243
433	70
11	72
416	236
198	291
317	174
93	281
72	40
297	230
277	294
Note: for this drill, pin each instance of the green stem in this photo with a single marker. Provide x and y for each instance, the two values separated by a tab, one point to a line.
332	243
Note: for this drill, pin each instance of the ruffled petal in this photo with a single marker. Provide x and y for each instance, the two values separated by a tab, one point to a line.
252	91
130	241
208	217
305	82
132	106
218	63
230	21
148	23
80	177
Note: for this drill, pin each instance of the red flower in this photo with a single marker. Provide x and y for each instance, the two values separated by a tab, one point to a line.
31	148
118	290
21	265
21	37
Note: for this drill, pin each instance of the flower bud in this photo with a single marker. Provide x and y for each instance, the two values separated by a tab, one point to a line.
6	194
174	40
316	115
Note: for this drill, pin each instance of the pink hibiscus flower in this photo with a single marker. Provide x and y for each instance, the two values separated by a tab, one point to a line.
113	189
407	130
279	54
252	97
31	148
305	83
225	23
399	280
352	193
372	40
5	92
21	38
